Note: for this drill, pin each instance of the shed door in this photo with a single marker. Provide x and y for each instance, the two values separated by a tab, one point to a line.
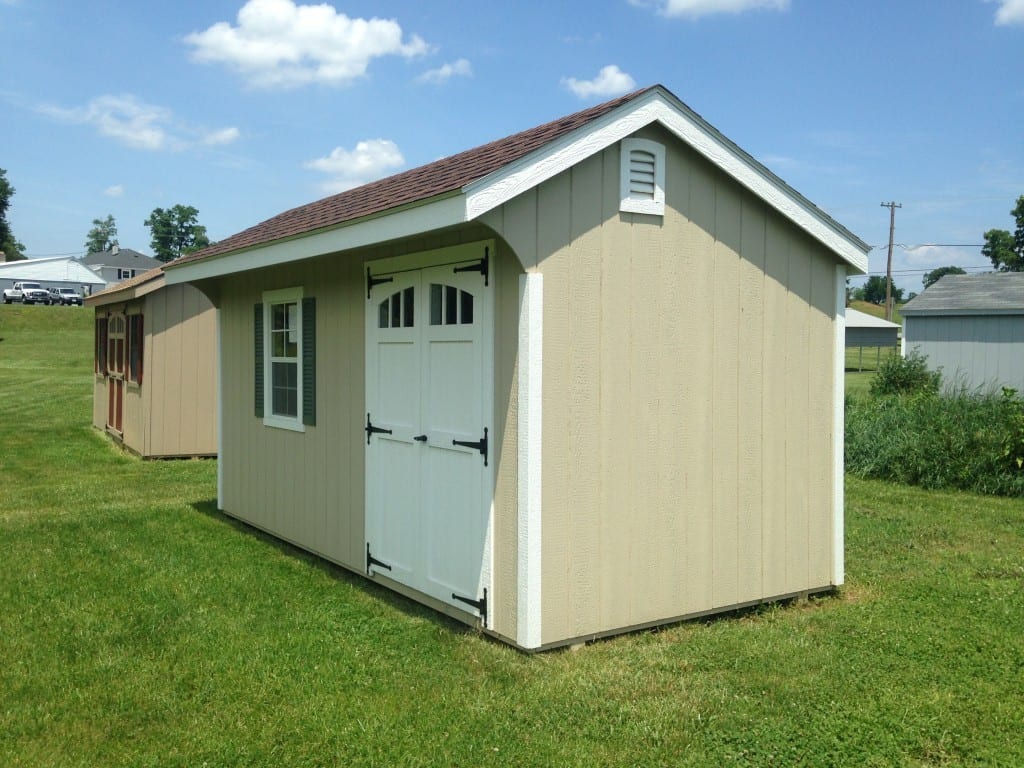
428	417
116	342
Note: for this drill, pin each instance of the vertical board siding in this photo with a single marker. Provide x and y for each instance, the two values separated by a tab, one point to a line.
688	392
974	351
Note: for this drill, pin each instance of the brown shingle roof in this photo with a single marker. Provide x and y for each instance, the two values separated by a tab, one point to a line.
438	178
125	285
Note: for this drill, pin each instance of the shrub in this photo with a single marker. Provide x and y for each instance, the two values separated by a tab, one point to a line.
905	375
969	441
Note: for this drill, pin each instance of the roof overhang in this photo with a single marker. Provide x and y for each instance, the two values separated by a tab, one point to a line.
961	312
477	198
116	296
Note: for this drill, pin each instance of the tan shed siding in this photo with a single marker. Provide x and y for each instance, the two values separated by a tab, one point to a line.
305	487
687	397
308	487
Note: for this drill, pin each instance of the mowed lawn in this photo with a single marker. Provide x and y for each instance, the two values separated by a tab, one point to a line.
140	627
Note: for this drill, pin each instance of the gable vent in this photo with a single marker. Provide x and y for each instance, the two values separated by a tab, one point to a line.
643	177
641	174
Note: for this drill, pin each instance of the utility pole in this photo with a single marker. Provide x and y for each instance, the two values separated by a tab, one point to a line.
892	206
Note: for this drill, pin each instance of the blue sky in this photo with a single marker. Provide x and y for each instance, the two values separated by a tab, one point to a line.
244	109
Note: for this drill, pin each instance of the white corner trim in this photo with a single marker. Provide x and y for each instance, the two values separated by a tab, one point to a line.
446	212
838	431
531	339
220	413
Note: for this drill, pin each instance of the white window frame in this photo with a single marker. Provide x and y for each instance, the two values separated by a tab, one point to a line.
629	202
125	274
270	299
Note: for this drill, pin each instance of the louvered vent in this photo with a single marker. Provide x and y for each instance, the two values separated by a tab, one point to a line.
642	177
641	174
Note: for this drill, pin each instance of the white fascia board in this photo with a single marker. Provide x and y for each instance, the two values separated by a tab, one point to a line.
408	222
500	187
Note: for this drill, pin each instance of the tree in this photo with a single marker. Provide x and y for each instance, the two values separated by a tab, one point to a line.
175	231
930	278
1006	251
874	291
13	250
102	236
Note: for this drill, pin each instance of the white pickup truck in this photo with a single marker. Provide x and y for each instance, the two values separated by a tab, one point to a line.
27	293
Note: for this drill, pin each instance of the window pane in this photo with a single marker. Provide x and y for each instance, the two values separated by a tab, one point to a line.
284	389
435	304
277	344
278	317
451	305
396	310
293	329
407	299
466	308
382	314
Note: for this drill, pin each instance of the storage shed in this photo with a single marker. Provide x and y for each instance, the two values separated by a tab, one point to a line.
581	380
155	373
972	327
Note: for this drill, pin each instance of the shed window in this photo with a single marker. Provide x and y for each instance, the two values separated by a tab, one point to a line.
115	345
285	346
135	346
642	177
398	310
450	306
101	346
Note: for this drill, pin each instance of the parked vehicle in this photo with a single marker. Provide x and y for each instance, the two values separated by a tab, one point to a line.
67	296
27	293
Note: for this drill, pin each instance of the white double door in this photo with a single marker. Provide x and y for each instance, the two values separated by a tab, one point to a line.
428	403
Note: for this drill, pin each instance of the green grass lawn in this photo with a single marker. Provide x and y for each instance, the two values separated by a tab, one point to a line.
140	627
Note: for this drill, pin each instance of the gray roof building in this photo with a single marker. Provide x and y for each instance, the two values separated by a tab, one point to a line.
972	327
119	264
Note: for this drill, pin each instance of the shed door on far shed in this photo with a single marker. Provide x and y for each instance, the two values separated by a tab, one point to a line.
428	419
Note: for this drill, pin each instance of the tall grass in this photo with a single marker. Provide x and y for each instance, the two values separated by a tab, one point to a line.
905	431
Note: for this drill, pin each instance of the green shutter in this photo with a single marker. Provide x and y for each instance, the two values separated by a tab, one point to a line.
309	361
258	349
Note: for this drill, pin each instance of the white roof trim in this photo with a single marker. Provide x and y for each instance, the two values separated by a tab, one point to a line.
441	213
658	106
486	194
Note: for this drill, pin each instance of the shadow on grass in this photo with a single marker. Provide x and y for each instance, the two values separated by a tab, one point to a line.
337	572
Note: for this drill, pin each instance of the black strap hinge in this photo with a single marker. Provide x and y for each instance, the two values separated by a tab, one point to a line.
372	430
480	605
482	266
480	445
371	281
373	561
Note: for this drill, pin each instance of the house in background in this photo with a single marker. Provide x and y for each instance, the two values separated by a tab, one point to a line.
57	272
972	327
864	330
119	264
155	373
581	380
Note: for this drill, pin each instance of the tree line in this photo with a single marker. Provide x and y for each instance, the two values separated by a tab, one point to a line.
174	232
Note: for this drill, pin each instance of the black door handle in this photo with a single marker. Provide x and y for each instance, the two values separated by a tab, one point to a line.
420	438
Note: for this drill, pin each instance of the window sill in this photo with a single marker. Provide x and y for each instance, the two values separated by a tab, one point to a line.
281	422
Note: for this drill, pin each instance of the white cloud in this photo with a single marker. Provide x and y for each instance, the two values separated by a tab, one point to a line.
694	9
278	43
369	161
115	191
123	118
221	137
1010	12
446	72
136	124
610	81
